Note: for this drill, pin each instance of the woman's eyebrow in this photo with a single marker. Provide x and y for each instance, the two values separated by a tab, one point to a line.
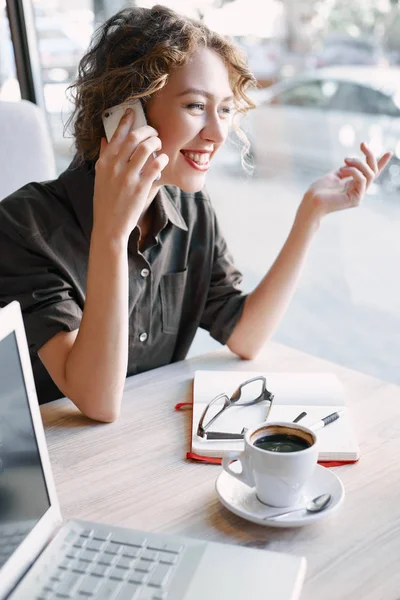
203	93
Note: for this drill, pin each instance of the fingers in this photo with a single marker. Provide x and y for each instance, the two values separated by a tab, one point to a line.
151	174
154	167
103	145
371	160
137	158
129	149
130	153
358	177
123	128
371	168
123	139
376	166
145	138
368	171
384	161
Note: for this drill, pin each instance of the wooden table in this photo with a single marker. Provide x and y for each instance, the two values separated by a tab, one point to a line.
134	473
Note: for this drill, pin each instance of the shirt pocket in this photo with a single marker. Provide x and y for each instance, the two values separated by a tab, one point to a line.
172	289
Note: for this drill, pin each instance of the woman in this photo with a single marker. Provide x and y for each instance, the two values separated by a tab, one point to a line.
119	261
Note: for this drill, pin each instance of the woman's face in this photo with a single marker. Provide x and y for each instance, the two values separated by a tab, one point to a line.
192	115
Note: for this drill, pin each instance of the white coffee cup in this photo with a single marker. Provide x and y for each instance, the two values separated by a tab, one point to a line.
277	476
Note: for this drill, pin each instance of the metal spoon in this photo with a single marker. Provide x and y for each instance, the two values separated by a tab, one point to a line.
313	506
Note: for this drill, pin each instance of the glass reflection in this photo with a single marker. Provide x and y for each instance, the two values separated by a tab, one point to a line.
23	493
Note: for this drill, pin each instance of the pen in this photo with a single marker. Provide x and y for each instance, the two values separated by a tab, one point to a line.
326	420
300	416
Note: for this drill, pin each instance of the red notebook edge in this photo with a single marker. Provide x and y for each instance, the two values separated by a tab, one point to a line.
217	461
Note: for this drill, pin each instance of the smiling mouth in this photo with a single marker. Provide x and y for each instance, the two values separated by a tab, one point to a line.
200	159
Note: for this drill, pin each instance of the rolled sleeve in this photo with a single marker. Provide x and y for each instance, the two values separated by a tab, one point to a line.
46	297
225	299
45	322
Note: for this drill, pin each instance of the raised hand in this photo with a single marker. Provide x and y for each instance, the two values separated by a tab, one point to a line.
346	187
125	173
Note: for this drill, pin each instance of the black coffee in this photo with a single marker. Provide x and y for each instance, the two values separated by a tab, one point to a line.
281	442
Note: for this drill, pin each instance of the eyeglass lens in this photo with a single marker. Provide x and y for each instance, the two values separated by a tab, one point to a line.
214	408
250	392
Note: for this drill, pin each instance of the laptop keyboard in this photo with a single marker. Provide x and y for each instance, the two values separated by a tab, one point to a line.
113	566
11	536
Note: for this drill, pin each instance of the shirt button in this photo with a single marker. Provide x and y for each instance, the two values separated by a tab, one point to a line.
143	337
144	273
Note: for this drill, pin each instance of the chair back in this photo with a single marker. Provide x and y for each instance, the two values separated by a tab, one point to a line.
26	150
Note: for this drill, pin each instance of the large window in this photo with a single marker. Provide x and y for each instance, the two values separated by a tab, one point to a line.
330	78
9	87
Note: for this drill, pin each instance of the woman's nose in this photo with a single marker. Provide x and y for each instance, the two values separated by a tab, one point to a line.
214	130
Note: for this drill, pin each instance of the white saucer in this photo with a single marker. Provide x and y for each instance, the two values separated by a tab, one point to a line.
242	500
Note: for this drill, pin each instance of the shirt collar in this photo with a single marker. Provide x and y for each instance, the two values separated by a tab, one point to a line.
168	210
78	181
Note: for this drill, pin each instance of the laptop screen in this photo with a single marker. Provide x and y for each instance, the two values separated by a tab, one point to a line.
23	494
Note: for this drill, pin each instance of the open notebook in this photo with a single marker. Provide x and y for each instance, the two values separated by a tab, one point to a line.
318	394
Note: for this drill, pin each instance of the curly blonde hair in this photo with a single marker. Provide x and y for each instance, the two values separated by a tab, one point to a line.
132	55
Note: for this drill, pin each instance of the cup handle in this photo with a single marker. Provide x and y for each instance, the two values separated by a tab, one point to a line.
245	475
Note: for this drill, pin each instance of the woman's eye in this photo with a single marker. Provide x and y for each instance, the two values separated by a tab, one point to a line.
200	106
196	106
227	110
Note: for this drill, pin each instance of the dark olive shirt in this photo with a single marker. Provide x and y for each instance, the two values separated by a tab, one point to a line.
183	278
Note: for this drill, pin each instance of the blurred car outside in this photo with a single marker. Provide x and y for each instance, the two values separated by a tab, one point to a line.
348	50
394	57
313	121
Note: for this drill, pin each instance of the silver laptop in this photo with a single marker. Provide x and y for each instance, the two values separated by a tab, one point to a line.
42	559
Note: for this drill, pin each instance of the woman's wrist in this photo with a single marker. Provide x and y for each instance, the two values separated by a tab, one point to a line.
109	241
309	212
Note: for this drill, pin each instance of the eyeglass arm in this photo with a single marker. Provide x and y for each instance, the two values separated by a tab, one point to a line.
203	428
222	435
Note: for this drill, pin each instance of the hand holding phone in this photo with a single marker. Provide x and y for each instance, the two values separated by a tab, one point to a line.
112	116
125	170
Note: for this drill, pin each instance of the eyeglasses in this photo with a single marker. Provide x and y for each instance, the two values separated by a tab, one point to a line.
248	393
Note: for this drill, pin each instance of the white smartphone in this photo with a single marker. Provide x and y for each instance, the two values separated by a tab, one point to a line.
112	116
